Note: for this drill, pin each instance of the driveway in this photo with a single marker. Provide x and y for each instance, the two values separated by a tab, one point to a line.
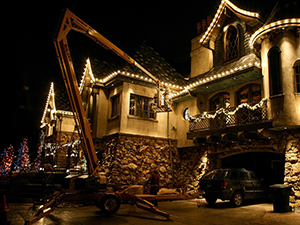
187	212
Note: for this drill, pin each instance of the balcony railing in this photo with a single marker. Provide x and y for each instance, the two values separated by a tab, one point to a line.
234	116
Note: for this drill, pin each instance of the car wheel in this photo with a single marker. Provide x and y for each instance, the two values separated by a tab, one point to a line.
237	198
109	204
211	200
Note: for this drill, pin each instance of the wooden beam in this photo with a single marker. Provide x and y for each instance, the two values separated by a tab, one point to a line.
226	137
233	129
213	139
265	133
244	135
199	141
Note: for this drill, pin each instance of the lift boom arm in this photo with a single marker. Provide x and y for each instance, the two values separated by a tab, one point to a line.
68	23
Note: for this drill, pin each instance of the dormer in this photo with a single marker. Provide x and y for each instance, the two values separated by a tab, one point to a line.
224	39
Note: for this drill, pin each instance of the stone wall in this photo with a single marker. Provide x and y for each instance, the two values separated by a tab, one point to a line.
290	140
129	159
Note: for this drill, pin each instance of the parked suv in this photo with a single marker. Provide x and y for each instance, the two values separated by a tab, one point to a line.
231	184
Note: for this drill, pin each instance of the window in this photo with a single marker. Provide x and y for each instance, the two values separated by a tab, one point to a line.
220	100
233	175
253	176
141	107
297	76
275	71
186	114
231	43
250	93
244	176
115	103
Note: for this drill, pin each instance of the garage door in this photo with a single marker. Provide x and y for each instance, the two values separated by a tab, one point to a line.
269	166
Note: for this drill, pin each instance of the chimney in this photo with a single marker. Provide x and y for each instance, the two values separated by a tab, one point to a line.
198	28
209	19
204	25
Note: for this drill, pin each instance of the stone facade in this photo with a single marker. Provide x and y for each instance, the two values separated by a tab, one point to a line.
291	142
129	159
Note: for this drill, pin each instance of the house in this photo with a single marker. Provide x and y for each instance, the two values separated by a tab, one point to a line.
240	106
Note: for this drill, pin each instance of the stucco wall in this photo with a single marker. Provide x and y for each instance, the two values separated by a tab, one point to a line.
136	125
201	58
180	126
284	110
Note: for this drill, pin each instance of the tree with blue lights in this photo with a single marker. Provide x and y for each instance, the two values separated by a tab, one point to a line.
23	161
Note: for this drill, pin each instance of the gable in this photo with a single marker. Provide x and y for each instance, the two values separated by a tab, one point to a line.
250	18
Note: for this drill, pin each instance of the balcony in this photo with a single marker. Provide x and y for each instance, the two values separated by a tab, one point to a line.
245	117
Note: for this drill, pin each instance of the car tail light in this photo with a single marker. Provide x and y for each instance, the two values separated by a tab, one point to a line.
224	185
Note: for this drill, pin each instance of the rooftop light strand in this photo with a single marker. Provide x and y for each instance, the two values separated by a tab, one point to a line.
50	94
218	14
280	24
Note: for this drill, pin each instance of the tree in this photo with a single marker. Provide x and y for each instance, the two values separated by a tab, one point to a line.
7	158
23	160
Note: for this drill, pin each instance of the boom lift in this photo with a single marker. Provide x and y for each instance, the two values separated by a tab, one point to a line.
87	187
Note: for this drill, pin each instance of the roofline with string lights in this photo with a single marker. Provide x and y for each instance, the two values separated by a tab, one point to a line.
280	24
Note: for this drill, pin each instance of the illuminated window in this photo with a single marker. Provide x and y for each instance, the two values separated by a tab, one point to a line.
115	103
297	76
250	93
141	107
220	100
231	43
275	71
186	114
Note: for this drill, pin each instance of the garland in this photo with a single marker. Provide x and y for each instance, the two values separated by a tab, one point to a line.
205	115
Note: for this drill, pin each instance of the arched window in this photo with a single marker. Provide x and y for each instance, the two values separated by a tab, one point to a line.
275	71
250	93
231	43
220	100
297	76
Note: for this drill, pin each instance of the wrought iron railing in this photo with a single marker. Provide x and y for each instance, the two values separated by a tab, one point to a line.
234	116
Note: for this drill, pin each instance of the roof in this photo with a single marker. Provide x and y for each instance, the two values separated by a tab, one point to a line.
148	58
283	13
283	9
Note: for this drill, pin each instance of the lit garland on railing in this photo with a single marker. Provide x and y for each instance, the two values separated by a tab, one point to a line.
206	115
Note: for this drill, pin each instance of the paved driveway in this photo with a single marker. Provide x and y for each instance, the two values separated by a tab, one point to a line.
187	212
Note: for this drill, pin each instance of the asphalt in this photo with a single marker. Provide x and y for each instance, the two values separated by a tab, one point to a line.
188	212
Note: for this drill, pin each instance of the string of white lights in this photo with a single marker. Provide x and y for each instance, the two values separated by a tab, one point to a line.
50	94
206	115
280	24
215	21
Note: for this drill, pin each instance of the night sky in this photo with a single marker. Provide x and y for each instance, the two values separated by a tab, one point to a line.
30	62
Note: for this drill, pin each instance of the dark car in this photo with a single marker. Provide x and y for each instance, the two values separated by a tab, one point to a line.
235	185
